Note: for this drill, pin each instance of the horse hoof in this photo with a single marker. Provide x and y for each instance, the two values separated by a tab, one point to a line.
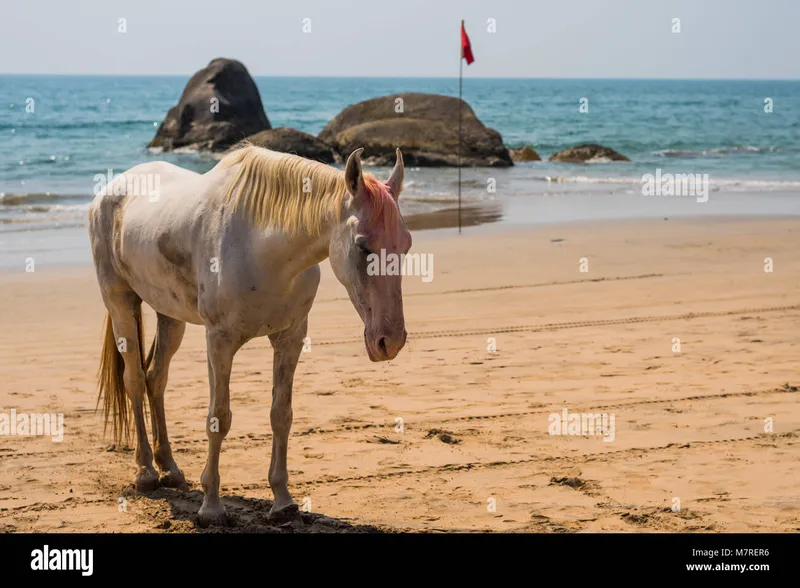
174	480
212	515
146	481
283	513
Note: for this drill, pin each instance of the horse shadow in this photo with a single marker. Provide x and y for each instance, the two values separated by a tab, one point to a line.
244	515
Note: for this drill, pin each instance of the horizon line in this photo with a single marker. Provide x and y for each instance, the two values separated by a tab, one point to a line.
426	77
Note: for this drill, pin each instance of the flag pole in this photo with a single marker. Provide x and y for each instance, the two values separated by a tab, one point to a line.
460	74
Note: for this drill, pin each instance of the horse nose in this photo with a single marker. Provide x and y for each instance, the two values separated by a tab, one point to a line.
389	346
382	346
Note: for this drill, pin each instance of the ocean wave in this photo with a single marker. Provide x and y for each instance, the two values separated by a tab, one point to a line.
429	198
717	151
720	183
49	160
22	199
38	217
19	226
200	156
763	184
587	180
50	126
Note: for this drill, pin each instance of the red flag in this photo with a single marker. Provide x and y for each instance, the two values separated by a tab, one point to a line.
466	48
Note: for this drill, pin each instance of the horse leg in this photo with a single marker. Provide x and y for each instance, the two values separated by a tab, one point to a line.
125	312
221	348
169	335
287	346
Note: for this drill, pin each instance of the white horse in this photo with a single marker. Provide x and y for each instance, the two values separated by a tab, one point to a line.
235	250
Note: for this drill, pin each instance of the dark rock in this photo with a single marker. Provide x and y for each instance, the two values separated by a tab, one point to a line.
423	126
588	153
199	123
289	140
525	153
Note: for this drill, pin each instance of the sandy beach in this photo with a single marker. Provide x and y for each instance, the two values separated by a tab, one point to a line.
453	435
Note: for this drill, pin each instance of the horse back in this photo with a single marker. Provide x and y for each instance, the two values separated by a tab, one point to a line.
143	228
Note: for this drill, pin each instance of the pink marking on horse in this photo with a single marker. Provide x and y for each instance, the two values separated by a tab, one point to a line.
382	209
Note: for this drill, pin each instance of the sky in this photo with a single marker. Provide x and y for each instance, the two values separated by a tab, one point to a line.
755	39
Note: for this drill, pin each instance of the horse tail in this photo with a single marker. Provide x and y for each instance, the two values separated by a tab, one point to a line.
111	383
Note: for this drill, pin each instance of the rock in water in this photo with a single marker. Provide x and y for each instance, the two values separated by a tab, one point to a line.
588	153
424	126
289	140
525	153
219	107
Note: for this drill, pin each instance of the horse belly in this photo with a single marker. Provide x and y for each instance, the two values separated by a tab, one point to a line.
170	298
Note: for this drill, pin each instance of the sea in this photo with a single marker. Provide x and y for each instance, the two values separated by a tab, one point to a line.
743	136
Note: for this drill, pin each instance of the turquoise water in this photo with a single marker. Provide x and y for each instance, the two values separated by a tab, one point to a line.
83	125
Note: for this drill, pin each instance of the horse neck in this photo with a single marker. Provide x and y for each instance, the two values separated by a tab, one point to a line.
306	251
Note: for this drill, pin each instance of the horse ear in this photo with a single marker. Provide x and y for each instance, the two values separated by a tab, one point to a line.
395	181
353	175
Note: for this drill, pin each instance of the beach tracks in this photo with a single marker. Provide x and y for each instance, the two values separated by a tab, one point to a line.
578	324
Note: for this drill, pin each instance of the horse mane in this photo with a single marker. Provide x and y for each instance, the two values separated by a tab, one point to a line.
269	189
